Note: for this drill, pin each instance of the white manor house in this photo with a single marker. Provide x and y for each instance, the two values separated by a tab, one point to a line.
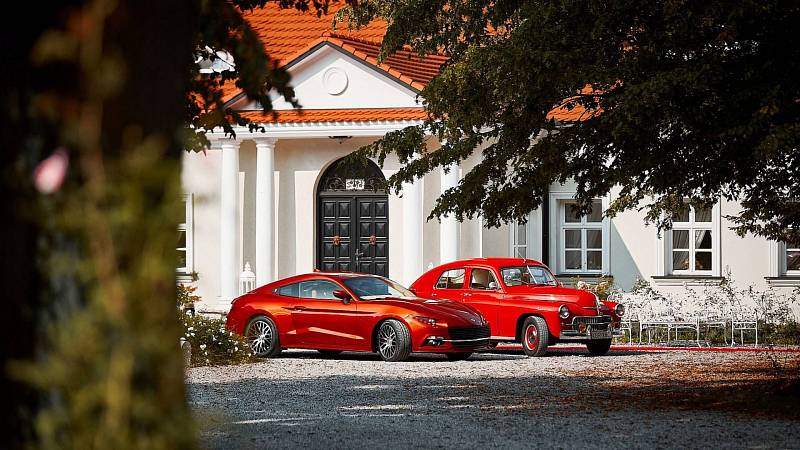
279	202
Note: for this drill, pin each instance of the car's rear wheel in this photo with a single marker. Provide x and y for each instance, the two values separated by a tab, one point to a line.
394	341
262	335
329	353
535	336
598	347
461	356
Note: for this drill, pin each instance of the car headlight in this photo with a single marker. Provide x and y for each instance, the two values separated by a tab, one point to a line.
426	320
619	310
563	311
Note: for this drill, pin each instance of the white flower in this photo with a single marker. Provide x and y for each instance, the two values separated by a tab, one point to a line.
190	329
202	346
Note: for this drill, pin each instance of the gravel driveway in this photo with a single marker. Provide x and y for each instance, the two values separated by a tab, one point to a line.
499	400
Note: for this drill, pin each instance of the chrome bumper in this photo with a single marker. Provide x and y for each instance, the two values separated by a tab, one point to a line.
594	327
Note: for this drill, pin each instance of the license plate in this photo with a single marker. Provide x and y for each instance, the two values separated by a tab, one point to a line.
599	334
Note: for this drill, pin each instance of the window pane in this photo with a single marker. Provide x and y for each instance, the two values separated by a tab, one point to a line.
520	252
289	290
520	234
680	239
594	239
181	258
451	279
181	239
702	215
594	260
571	214
702	239
682	215
572	260
572	238
680	260
597	212
793	260
702	261
318	289
480	279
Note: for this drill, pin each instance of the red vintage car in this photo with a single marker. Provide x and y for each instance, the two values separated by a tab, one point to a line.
332	312
524	302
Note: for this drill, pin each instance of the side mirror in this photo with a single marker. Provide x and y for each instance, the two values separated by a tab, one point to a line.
493	286
342	295
413	291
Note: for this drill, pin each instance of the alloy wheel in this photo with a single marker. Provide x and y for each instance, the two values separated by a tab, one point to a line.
261	337
387	341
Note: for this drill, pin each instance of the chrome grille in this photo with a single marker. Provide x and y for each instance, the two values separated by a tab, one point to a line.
591	320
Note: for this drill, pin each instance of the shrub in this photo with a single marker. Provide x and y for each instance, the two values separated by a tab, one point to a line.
186	296
213	344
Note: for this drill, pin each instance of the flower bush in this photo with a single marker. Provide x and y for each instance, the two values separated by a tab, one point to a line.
720	301
604	288
213	344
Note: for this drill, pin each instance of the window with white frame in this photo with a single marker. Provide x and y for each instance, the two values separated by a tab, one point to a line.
184	245
792	258
692	242
519	240
581	238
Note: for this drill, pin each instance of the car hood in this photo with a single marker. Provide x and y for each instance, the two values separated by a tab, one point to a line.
453	313
577	297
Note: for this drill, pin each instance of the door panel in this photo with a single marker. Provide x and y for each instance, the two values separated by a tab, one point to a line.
335	252
481	298
324	321
354	234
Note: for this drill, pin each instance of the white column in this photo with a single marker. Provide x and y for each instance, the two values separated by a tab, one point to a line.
412	231
449	227
265	211
229	225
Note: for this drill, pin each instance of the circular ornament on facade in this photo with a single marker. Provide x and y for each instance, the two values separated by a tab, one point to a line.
334	80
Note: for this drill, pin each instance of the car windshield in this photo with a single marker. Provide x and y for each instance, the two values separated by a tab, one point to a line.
370	288
527	275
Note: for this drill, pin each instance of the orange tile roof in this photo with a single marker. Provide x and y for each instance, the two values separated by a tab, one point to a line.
568	111
337	115
285	32
288	33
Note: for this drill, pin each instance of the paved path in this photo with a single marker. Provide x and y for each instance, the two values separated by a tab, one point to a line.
500	400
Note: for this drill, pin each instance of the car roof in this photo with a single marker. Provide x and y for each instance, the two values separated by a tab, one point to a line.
493	262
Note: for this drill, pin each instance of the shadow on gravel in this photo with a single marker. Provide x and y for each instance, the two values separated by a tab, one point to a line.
512	411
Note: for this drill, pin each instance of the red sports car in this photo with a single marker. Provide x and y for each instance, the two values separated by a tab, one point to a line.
332	312
524	302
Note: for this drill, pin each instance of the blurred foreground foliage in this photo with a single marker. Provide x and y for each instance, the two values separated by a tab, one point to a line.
90	334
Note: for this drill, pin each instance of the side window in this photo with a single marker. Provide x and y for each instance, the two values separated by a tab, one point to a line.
318	289
481	279
289	290
451	279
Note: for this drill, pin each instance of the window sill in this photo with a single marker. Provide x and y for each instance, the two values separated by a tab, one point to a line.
569	279
784	281
688	280
184	277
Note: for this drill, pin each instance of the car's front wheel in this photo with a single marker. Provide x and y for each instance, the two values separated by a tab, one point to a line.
262	334
598	347
394	341
535	336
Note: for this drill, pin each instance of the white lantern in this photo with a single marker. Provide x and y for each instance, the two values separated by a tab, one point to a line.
247	280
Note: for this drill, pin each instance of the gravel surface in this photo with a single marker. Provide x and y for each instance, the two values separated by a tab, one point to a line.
497	400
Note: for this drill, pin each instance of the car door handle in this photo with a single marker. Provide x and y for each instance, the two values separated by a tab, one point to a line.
299	308
434	294
467	295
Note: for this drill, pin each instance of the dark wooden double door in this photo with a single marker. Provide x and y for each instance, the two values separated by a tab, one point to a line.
353	234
